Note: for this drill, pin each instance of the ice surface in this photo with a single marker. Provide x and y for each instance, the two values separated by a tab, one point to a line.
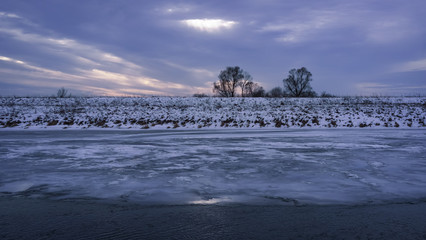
211	166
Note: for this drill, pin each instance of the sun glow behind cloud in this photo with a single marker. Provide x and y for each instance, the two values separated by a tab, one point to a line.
209	25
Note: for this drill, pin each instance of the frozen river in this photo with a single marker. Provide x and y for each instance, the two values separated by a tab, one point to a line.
325	166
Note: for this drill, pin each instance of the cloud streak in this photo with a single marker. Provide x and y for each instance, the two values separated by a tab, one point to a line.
411	66
302	29
41	72
91	65
373	88
317	25
8	15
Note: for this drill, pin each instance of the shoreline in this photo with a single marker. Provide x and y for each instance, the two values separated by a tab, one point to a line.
25	218
182	129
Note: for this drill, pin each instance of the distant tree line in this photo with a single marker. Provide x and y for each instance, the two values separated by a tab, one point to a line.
234	81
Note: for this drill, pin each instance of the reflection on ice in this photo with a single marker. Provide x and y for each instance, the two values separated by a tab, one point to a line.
217	166
210	201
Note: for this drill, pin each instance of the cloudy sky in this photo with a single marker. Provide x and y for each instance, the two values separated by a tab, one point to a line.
155	47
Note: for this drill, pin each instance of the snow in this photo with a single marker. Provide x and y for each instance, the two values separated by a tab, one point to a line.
211	166
211	113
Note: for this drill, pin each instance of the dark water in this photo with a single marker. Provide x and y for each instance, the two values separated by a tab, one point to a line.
23	218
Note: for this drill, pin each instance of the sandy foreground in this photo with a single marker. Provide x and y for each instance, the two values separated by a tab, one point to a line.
25	218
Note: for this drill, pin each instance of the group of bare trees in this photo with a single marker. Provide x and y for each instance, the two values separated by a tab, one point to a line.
234	79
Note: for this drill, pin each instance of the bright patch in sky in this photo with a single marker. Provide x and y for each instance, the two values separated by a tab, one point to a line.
209	25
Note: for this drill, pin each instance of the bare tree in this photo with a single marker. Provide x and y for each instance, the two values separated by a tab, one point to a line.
229	79
297	84
63	93
245	83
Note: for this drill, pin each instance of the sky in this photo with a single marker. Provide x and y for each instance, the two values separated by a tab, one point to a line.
178	48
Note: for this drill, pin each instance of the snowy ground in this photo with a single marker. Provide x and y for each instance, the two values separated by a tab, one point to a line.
279	166
190	113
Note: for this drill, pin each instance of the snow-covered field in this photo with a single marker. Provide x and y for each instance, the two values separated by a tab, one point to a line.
189	113
276	166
